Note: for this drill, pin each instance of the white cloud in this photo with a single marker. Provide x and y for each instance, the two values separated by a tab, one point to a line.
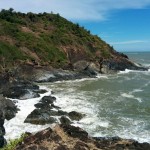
75	9
129	42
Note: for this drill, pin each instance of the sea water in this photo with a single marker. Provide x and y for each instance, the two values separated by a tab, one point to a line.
114	105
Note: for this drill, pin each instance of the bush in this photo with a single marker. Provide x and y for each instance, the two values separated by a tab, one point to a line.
13	143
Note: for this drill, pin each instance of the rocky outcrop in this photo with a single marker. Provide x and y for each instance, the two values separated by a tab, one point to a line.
115	65
22	90
67	137
46	112
73	115
7	111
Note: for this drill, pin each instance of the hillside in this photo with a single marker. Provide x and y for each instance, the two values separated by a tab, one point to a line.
46	39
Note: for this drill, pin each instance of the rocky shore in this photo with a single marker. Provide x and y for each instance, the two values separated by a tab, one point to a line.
20	84
67	137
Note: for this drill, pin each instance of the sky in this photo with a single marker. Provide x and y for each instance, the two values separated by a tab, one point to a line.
124	24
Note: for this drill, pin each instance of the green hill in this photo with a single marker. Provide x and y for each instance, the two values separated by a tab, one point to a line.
47	39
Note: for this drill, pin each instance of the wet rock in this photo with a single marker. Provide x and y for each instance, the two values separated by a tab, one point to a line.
73	115
8	108
64	120
115	65
2	141
41	91
2	130
62	113
43	106
41	117
48	99
56	107
21	90
75	132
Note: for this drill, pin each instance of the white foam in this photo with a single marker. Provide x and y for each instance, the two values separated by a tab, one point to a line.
131	96
16	126
127	95
124	72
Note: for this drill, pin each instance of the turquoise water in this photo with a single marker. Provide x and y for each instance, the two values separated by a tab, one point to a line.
115	105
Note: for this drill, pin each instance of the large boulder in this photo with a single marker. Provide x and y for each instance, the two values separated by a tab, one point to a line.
64	120
73	115
41	117
8	108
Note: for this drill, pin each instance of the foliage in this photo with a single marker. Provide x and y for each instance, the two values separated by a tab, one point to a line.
48	36
13	143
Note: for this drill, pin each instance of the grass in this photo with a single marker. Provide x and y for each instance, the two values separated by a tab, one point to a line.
48	35
13	143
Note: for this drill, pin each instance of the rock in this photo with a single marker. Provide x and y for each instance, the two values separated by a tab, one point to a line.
41	91
64	120
41	117
62	113
2	130
75	132
54	106
73	115
8	108
67	137
21	90
114	65
86	68
48	100
2	141
47	103
43	106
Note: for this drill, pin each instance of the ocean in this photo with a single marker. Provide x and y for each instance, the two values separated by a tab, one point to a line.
114	105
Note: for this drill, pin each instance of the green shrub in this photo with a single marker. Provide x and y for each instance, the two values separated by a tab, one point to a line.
13	143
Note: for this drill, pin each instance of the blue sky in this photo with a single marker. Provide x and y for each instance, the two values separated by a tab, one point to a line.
124	24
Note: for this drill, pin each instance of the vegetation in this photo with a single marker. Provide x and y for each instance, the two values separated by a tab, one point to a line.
47	39
13	143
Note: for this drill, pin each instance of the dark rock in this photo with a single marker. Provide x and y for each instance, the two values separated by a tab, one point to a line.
2	141
64	120
41	117
54	106
43	106
114	65
48	99
46	103
61	113
40	91
8	108
75	132
73	115
21	90
2	130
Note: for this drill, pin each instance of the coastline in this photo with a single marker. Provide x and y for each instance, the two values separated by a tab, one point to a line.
66	77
